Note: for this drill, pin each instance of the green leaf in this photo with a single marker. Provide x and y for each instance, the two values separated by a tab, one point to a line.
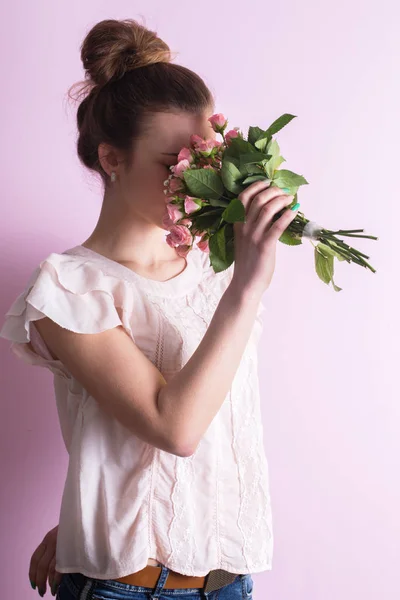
275	160
254	134
290	238
328	255
234	211
273	165
231	176
238	165
221	249
323	264
262	143
219	202
328	250
285	178
237	147
273	147
203	183
209	220
281	122
253	169
265	136
253	157
331	251
253	178
336	287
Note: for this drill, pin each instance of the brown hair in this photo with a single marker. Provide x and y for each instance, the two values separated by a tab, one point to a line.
127	73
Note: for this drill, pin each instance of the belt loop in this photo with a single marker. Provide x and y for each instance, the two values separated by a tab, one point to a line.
160	582
216	579
88	589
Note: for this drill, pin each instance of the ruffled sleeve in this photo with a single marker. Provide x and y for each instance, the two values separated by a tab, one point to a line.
69	290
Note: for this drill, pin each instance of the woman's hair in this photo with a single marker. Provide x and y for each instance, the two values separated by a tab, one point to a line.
128	73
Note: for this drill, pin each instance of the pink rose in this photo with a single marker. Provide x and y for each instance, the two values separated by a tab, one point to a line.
195	139
185	154
175	184
179	168
232	133
174	212
205	147
179	235
218	122
191	205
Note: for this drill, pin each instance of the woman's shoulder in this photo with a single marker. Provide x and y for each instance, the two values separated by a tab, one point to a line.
68	289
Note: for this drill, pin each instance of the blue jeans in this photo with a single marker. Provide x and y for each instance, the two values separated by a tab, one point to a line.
75	586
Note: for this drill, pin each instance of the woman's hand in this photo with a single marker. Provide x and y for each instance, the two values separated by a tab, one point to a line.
255	240
43	563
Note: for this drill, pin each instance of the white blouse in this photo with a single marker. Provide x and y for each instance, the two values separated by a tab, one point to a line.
125	500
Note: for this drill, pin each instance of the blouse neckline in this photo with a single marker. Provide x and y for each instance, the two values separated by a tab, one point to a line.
176	286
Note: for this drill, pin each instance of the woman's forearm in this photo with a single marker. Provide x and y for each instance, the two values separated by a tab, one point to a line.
190	401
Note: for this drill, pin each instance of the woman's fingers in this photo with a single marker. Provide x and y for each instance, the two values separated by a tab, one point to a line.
42	563
275	230
42	568
255	239
248	193
265	197
54	576
267	223
34	563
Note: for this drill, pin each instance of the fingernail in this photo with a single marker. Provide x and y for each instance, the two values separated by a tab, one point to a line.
54	589
295	207
287	190
41	593
33	584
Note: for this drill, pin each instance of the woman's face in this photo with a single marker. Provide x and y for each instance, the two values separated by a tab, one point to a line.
165	135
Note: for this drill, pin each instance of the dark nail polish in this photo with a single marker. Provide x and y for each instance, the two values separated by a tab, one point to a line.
33	584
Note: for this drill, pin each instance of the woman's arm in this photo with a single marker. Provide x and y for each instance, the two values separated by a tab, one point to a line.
190	401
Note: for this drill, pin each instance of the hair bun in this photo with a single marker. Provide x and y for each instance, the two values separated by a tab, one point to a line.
113	47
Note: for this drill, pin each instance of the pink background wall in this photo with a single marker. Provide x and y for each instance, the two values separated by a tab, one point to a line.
328	361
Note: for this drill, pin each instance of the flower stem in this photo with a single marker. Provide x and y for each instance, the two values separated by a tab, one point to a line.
344	245
370	237
337	250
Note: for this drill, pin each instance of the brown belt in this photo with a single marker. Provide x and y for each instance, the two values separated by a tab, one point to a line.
148	577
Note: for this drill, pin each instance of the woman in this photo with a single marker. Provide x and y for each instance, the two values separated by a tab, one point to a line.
153	354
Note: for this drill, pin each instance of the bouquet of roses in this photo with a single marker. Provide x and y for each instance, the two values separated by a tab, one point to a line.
202	197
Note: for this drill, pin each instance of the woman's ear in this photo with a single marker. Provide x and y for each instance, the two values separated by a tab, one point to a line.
109	158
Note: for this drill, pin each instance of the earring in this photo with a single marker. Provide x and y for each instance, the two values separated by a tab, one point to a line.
113	176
